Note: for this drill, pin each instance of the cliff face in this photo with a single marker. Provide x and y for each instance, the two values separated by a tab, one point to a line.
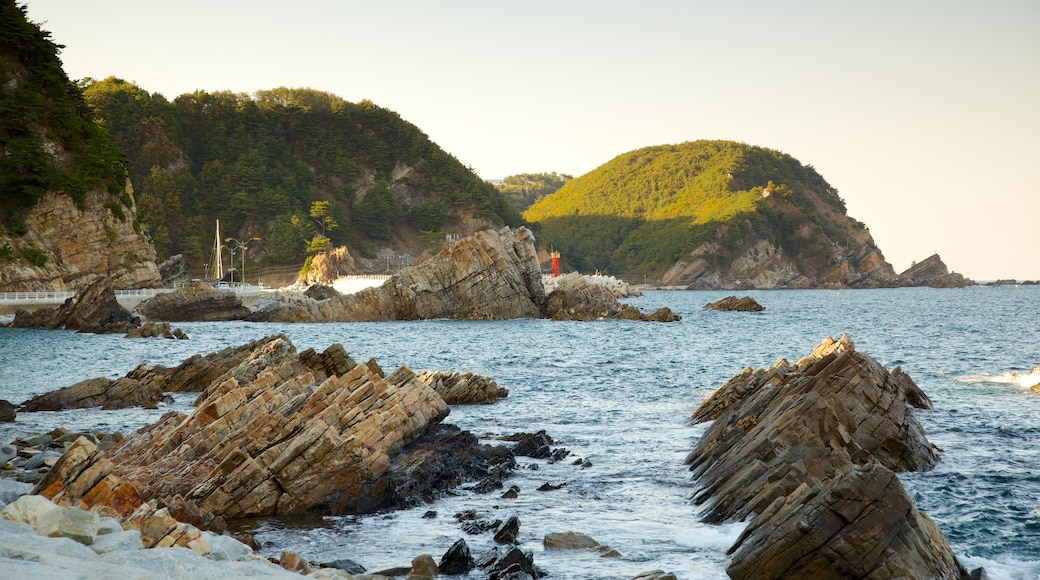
67	212
79	246
933	272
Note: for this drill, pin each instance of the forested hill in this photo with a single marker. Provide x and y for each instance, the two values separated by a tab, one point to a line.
710	214
258	163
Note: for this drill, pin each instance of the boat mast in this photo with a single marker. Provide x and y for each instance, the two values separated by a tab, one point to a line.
218	265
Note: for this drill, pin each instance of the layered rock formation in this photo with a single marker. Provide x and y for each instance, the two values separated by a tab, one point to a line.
575	297
98	392
325	267
732	303
492	274
807	450
198	302
463	388
93	309
933	272
80	245
277	432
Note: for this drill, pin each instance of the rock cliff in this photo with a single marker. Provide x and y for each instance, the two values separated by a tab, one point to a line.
933	272
73	247
93	309
808	452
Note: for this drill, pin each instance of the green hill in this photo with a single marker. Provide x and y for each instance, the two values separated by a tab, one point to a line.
655	210
257	162
524	189
48	140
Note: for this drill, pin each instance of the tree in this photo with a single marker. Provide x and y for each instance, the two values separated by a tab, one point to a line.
320	215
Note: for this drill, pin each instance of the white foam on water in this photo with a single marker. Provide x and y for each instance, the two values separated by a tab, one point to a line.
1022	379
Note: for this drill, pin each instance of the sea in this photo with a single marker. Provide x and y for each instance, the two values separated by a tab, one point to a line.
618	395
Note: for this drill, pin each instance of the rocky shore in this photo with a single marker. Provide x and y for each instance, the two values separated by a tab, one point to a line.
808	453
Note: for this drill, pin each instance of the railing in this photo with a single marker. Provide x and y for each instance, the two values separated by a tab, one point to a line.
40	295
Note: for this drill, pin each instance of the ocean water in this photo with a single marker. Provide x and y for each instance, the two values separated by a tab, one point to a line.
619	394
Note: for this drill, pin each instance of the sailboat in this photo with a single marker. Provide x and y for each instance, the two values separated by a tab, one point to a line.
218	262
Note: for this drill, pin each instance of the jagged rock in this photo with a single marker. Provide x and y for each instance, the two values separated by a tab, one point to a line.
785	435
198	372
512	565
100	392
92	309
619	288
326	267
457	560
198	302
732	303
860	524
492	274
7	412
933	272
574	297
320	292
157	330
463	388
174	271
507	532
663	314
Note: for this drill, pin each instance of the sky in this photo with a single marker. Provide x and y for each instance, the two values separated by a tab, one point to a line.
924	114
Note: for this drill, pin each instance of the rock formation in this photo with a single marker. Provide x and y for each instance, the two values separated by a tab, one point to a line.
574	297
807	451
282	433
463	388
198	302
99	392
174	271
732	303
325	267
491	274
157	330
933	272
93	309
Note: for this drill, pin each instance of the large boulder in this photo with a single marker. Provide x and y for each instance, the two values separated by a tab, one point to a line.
93	309
198	302
831	426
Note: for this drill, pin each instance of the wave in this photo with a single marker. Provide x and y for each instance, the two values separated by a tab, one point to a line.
1023	379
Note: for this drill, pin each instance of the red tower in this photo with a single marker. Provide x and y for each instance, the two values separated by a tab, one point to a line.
555	255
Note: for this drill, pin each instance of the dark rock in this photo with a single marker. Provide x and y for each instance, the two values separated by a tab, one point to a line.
429	515
174	271
732	303
321	292
512	493
550	487
514	562
347	565
534	445
7	412
198	302
663	314
507	532
477	527
393	572
457	560
93	309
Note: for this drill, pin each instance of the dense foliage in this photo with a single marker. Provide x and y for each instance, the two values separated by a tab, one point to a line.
258	163
526	188
48	138
646	209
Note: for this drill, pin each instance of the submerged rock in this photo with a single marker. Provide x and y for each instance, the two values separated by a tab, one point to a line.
797	447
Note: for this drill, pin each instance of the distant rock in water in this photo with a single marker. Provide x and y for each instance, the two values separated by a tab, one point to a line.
732	303
198	302
157	330
100	392
933	272
463	388
807	451
576	297
93	309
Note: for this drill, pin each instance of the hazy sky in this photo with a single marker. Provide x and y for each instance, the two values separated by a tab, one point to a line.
925	115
